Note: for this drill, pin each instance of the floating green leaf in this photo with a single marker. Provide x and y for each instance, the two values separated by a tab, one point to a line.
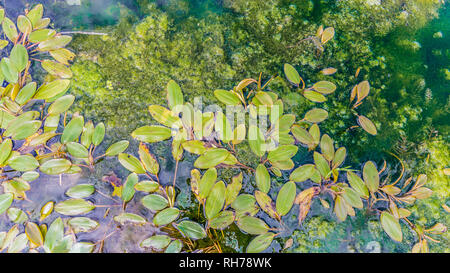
211	158
99	134
5	201
371	176
391	226
327	147
74	207
52	89
174	94
324	87
166	216
129	217
154	202
260	243
314	96
367	125
34	234
131	163
282	152
77	150
352	198
291	74
227	97
117	148
80	191
152	134
19	57
358	185
222	220
128	187
55	166
207	182
23	163
340	208
285	198
266	204
82	224
73	130
147	186
252	225
215	200
262	178
158	242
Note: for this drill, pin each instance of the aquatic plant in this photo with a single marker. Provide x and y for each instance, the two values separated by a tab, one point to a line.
34	139
36	134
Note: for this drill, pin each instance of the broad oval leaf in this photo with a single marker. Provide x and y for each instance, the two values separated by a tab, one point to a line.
222	220
324	87
152	133
34	234
327	147
283	152
5	201
73	130
215	200
227	97
314	96
358	185
154	202
23	163
340	208
158	242
55	166
285	198
82	224
174	94
367	125
211	158
266	204
391	226
252	225
302	173
166	216
128	187
80	191
131	163
371	176
61	105
165	116
74	207
260	243
99	134
207	182
52	89
117	148
316	115
77	150
262	178
130	218
352	198
147	186
191	229
291	74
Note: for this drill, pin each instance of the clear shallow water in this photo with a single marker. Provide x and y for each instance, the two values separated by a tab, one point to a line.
353	235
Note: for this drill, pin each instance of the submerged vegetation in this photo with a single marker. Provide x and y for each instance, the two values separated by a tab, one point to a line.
290	182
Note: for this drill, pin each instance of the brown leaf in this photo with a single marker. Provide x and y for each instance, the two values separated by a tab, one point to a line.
304	199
